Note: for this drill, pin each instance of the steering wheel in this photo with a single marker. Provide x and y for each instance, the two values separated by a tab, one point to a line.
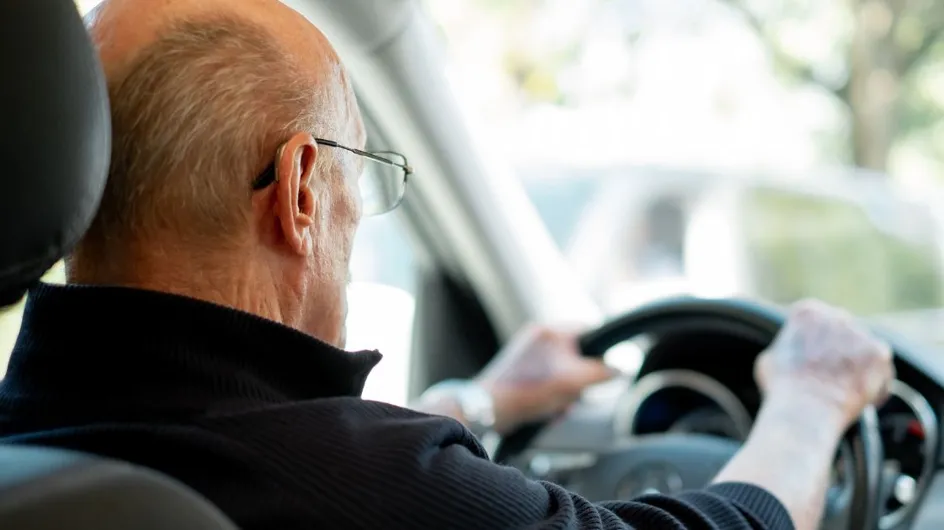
690	461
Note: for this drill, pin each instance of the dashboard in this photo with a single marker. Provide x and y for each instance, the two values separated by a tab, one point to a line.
705	385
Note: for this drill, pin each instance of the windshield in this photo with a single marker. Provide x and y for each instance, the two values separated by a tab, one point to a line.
771	149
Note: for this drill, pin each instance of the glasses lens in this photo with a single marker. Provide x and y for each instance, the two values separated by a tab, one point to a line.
382	185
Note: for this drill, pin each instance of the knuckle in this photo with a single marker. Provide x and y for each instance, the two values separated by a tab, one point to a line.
803	307
810	304
545	335
540	332
883	348
814	311
844	317
878	349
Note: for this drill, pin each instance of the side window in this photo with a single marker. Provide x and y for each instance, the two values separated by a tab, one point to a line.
9	327
381	304
10	318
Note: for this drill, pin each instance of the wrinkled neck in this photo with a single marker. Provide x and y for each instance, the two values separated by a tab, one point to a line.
236	281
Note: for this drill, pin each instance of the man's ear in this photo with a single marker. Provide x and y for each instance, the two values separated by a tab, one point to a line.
295	202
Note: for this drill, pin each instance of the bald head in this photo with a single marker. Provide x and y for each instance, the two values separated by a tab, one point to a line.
203	92
122	29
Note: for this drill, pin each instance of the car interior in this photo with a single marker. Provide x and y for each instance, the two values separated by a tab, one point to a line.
671	424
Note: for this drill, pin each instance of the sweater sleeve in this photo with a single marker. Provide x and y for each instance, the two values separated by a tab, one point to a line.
468	492
378	466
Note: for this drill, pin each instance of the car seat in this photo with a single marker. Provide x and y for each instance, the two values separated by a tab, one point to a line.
55	147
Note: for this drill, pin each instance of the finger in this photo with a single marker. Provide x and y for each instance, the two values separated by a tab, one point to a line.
883	394
813	305
566	333
563	400
805	308
569	328
887	354
570	401
889	373
588	372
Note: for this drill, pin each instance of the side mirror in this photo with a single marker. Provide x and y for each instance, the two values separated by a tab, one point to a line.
380	317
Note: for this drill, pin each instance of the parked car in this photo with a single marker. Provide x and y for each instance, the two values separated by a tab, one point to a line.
849	237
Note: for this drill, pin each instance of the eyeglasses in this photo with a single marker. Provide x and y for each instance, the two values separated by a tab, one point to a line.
382	185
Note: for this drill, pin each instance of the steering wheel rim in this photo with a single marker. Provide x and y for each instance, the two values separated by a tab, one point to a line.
752	321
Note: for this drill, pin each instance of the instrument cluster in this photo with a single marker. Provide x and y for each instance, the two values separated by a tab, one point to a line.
687	401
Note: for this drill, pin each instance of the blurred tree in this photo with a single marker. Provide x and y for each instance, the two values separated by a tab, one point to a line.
803	246
533	63
883	58
883	53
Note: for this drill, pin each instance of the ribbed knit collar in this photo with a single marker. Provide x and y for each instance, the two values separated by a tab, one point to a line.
119	349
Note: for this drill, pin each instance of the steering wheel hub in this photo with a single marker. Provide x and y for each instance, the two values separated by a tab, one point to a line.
664	464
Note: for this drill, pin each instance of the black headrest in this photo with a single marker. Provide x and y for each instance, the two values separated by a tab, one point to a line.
55	138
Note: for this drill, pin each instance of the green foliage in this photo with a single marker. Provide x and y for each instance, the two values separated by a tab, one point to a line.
533	71
918	111
897	38
536	80
804	246
920	107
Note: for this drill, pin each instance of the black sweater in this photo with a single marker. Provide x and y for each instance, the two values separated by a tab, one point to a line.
268	424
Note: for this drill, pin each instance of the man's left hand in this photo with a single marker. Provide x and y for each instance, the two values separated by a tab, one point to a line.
537	375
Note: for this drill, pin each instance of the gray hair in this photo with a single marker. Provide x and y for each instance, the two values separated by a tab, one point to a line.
195	118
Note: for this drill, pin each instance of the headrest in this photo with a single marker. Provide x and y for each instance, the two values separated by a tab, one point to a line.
55	138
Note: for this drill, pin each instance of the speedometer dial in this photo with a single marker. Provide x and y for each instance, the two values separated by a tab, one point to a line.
710	420
909	435
903	437
681	401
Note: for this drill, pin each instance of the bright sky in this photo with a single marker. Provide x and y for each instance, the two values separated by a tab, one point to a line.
86	5
704	94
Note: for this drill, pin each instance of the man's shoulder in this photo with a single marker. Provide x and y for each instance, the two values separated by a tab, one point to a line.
358	425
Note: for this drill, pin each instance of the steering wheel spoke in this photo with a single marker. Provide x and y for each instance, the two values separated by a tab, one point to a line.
657	463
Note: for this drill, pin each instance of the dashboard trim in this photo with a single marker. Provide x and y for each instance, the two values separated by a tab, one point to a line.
925	414
629	403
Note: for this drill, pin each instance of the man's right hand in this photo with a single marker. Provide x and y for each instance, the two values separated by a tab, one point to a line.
820	372
822	353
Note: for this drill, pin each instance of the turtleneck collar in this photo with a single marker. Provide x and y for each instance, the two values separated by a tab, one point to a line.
117	348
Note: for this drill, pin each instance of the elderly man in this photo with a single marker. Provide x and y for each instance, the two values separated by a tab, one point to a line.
203	339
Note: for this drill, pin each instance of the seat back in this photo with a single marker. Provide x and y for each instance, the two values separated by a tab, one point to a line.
55	142
46	489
